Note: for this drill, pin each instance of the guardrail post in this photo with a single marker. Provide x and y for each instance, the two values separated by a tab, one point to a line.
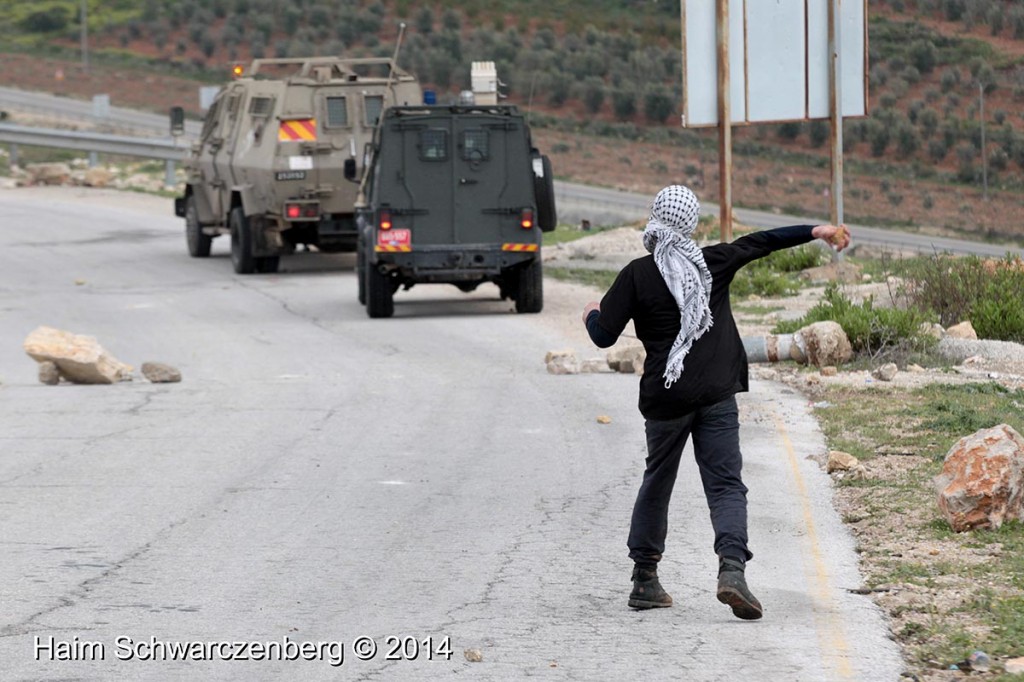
94	159
169	179
14	155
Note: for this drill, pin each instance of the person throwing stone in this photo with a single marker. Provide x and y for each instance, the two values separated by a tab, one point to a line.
678	299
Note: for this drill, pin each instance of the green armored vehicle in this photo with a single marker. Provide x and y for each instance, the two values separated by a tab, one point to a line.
456	195
281	154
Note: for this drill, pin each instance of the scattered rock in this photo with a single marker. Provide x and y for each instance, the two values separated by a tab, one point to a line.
886	372
604	419
916	369
1014	666
975	361
594	366
841	271
473	655
97	177
812	379
48	373
964	330
628	359
561	362
8	183
840	461
933	329
824	343
80	359
859	473
829	371
159	373
49	173
982	479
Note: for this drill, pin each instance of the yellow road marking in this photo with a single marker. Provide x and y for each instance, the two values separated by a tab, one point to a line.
832	638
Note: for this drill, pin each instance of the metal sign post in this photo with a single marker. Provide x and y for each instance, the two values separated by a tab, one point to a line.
724	124
835	112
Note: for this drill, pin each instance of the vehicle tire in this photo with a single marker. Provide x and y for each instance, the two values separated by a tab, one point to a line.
361	274
467	287
380	293
268	264
241	243
530	288
544	190
198	243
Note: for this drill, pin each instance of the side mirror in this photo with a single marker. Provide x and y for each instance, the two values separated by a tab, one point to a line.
350	169
177	121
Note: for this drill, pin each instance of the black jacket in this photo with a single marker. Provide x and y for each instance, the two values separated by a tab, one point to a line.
716	366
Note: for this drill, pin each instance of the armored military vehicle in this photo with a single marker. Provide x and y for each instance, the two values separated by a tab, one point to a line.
281	154
457	195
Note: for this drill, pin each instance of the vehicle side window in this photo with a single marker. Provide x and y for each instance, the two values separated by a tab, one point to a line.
374	105
474	145
337	112
260	106
434	144
211	118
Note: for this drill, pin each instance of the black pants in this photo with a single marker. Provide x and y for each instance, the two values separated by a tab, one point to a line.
716	444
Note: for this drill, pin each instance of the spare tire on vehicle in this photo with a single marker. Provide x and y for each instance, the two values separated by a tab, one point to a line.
544	190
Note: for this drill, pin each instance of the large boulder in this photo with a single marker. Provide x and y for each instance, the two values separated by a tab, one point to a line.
562	362
982	479
627	359
49	173
97	177
823	343
964	330
80	359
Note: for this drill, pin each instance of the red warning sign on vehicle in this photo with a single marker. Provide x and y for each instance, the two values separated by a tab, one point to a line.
394	240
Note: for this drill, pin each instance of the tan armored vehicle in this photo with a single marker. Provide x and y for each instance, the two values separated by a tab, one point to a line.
281	154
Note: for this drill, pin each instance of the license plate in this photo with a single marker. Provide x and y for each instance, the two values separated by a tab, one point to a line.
394	237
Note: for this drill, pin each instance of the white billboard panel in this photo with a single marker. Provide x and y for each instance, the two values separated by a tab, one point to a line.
769	53
700	40
779	61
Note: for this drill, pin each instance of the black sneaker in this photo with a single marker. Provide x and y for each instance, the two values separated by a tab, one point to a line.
647	591
732	590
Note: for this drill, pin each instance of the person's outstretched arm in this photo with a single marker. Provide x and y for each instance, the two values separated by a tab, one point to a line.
759	244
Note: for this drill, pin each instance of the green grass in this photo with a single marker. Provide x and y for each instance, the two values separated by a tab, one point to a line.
926	421
566	233
599	279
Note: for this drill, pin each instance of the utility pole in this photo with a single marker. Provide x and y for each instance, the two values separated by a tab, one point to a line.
984	156
84	18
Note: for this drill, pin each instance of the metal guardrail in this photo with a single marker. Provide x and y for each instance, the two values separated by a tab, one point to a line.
166	149
82	111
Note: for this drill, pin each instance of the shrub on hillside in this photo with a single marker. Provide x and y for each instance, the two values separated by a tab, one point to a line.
658	104
624	103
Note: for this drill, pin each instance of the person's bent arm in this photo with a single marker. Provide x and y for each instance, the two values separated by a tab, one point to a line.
606	321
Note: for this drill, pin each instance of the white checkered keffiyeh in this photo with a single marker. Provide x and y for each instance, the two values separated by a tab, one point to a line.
669	237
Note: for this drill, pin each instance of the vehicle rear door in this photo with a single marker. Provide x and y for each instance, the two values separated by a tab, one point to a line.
417	179
486	204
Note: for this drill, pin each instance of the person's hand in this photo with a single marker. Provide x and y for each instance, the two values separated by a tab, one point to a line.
837	237
590	307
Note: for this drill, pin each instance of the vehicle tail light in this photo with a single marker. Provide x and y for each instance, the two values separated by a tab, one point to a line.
385	220
302	210
526	219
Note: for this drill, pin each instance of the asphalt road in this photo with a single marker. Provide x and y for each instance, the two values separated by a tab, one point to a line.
321	477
